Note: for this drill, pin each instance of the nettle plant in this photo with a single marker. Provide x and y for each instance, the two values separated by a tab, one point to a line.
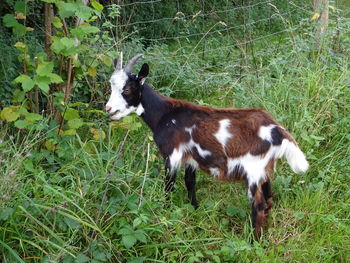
47	81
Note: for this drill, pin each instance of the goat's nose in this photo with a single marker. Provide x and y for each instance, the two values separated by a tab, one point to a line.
108	108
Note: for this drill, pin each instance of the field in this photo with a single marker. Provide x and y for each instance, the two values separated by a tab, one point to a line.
96	194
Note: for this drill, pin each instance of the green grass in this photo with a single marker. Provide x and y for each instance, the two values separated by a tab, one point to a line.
102	201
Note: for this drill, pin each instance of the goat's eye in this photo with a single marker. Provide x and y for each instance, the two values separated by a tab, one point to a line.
127	91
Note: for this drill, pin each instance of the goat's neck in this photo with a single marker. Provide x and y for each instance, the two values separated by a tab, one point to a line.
155	107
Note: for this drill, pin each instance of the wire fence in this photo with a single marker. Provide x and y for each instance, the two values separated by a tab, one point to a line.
217	38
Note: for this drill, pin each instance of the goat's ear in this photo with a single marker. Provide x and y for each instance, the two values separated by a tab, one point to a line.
141	76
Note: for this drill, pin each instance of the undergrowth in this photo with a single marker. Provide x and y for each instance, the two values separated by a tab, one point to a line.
97	195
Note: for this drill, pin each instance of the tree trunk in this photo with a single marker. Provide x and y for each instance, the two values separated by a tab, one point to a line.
321	7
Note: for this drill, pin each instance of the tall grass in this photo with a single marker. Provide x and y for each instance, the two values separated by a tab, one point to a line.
94	200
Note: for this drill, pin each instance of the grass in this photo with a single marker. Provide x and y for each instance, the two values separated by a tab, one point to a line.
95	200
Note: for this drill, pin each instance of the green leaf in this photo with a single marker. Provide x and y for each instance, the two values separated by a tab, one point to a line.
83	30
75	123
20	7
31	117
28	165
9	20
18	95
66	9
21	124
9	114
54	78
42	82
71	114
27	84
140	235
19	30
69	132
97	5
44	68
65	46
129	241
57	22
81	258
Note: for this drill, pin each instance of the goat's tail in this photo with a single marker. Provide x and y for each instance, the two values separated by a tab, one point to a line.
295	157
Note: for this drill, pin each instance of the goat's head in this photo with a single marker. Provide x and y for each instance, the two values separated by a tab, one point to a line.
126	88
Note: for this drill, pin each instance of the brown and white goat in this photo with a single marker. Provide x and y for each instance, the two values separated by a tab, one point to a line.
230	144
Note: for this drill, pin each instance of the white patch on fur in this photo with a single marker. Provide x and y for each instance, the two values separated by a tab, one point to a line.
192	162
265	132
295	157
178	153
173	121
223	134
203	153
214	172
121	114
254	166
190	129
116	100
140	110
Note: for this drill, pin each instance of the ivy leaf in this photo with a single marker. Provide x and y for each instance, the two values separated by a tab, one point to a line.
69	132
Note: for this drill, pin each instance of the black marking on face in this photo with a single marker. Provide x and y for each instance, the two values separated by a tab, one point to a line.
276	136
132	91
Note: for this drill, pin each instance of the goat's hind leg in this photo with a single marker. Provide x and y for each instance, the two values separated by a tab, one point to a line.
259	208
267	191
190	181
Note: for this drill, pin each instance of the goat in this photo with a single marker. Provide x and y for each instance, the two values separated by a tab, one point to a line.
230	144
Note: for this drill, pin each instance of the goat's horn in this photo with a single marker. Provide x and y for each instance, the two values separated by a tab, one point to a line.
131	63
119	63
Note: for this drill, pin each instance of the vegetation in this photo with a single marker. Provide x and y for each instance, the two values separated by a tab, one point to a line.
76	187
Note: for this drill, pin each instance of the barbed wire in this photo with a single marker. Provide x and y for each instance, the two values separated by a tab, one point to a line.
196	15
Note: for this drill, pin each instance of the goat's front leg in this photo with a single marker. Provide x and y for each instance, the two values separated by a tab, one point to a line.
169	180
190	181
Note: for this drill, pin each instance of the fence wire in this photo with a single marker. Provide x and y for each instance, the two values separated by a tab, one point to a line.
252	33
